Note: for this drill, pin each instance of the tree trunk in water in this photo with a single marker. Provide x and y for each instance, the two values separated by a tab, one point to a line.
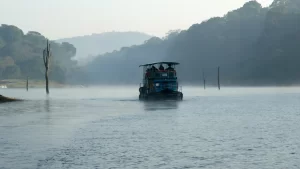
47	81
219	78
46	57
203	79
27	84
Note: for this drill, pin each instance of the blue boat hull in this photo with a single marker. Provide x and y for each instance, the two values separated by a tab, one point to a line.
164	95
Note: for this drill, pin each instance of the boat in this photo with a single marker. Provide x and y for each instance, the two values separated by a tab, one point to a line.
160	82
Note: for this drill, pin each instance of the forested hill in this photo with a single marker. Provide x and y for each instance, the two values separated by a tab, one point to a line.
91	45
21	55
252	45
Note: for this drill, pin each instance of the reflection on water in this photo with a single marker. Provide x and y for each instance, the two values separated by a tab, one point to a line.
160	105
93	128
47	105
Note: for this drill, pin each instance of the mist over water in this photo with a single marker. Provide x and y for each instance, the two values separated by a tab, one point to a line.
108	127
131	92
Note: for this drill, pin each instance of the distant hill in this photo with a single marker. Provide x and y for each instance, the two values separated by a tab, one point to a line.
252	45
95	44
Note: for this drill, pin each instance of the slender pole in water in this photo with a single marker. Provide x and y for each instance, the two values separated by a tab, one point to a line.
27	84
46	56
219	78
203	79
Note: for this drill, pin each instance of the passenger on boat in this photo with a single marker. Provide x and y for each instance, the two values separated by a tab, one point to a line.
170	67
147	74
161	67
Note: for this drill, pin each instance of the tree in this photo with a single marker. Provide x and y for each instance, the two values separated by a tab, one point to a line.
11	33
24	51
46	56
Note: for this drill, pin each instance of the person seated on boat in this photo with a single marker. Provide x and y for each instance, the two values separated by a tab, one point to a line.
147	74
170	68
161	67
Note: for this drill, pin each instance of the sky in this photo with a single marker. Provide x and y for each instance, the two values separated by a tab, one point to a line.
67	18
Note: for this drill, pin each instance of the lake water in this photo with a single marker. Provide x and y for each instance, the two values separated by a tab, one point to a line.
107	127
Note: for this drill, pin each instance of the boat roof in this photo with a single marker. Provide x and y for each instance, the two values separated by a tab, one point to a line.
150	64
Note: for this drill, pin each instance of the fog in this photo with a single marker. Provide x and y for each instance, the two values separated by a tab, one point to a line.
155	17
131	92
243	40
240	43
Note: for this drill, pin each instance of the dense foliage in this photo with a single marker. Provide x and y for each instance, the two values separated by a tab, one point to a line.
252	45
277	56
21	55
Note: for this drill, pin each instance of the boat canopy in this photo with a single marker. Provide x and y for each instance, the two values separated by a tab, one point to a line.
167	63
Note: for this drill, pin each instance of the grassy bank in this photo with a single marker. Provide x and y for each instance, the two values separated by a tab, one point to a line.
19	83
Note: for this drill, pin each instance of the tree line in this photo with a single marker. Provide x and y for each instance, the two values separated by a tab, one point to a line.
252	45
21	56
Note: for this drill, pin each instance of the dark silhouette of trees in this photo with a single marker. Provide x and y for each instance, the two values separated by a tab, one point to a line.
20	55
253	45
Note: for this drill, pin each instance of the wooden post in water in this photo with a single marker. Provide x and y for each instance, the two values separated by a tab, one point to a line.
203	76
27	84
46	56
219	78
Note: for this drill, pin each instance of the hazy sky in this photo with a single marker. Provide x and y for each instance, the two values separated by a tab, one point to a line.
67	18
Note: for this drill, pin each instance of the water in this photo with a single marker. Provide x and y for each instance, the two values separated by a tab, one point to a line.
109	128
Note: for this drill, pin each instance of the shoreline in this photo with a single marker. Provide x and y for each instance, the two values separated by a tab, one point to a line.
18	83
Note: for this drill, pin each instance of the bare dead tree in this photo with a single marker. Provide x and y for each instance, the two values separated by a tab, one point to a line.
27	84
46	56
219	78
203	76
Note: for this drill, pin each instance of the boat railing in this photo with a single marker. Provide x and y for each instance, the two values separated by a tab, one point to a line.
161	74
180	89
